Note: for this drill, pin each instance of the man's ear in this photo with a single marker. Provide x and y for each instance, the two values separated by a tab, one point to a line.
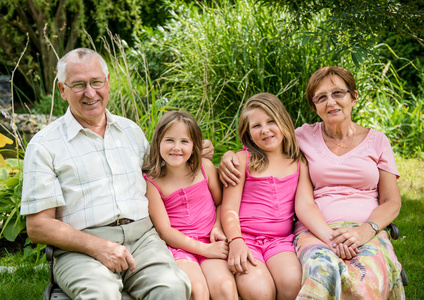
108	82
61	88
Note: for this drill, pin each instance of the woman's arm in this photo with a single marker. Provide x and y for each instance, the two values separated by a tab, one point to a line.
239	254
174	237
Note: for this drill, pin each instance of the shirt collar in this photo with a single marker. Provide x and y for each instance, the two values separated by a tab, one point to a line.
74	127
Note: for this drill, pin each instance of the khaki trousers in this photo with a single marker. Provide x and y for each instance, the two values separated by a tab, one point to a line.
157	275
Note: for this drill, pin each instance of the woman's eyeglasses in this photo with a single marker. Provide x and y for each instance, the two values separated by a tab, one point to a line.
337	94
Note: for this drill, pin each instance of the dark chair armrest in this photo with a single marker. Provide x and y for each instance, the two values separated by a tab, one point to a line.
49	252
393	230
49	256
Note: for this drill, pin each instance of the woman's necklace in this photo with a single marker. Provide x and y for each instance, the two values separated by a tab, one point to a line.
331	139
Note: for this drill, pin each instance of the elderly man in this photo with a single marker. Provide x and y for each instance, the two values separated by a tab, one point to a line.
84	193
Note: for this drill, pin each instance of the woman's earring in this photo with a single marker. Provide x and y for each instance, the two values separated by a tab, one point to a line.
162	164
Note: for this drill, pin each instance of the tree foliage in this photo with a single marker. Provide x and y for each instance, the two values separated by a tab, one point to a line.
63	23
355	26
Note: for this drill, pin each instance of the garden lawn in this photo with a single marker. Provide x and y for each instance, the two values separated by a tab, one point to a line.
29	282
409	248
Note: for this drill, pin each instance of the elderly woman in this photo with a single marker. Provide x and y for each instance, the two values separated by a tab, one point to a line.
350	194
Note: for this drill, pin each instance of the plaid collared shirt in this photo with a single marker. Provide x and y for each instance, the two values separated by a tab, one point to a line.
92	181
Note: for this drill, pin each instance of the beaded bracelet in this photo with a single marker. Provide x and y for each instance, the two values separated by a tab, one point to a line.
237	237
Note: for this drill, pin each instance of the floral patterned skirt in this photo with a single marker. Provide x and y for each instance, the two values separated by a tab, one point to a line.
375	273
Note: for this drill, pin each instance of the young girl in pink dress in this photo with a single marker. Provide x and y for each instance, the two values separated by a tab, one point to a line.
185	195
257	215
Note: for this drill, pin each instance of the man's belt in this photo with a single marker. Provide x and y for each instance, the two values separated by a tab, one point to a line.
119	222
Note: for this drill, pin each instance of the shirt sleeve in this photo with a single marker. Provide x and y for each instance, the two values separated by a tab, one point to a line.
387	160
41	188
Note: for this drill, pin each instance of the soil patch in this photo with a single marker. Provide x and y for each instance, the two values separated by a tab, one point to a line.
7	247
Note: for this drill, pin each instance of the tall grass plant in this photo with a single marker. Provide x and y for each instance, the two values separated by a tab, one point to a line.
213	57
385	105
221	54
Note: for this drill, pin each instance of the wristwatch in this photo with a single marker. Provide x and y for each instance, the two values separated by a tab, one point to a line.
374	226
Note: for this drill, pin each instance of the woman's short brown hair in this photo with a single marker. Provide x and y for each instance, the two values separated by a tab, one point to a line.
318	77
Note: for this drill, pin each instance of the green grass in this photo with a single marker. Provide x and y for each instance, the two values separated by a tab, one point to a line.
409	248
28	282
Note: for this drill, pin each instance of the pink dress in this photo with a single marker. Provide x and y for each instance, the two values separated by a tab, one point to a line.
191	210
266	213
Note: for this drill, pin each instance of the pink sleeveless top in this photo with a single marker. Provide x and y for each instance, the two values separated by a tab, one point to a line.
191	210
267	204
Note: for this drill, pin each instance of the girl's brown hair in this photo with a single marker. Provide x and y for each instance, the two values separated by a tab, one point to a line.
153	163
275	109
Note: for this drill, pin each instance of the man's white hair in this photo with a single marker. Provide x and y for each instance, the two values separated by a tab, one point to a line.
76	56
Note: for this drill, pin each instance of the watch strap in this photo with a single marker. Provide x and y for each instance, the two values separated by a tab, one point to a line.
374	226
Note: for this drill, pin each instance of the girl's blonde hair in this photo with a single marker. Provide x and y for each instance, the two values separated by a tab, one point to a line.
275	109
153	163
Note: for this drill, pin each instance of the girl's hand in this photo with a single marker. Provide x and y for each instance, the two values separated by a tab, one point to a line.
217	234
216	250
238	257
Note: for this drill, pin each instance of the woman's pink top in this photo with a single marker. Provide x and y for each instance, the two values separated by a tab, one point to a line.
191	210
267	204
345	187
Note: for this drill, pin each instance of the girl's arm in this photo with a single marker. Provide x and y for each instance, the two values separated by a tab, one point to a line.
308	212
174	237
239	252
215	188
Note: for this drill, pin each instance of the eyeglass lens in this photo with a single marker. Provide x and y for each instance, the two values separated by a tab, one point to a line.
81	86
337	94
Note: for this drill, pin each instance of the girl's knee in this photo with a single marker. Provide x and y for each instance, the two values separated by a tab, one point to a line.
257	291
289	290
199	290
224	289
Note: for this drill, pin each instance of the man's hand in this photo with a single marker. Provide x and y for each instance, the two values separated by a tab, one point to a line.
115	257
228	174
207	149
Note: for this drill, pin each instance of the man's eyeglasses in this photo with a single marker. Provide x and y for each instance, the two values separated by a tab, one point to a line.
337	94
82	85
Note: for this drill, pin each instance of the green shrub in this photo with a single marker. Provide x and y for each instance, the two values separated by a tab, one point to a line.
385	105
210	59
10	199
